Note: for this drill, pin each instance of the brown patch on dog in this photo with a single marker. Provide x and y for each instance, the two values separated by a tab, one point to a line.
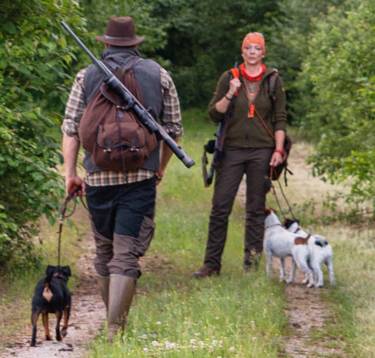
301	240
47	293
268	211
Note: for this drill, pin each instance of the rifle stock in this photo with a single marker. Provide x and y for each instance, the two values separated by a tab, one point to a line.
132	103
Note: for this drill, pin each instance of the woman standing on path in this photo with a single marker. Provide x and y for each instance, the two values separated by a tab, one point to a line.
243	99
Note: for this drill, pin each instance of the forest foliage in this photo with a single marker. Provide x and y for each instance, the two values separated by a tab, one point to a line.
34	66
338	78
323	49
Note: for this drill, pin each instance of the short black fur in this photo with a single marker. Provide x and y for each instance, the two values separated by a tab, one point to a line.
289	222
52	295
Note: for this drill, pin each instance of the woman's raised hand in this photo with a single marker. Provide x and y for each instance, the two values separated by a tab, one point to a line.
234	86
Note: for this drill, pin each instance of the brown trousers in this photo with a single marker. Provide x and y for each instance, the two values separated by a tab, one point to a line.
122	222
254	162
120	255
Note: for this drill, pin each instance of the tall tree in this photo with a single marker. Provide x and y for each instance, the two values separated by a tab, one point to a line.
288	43
338	76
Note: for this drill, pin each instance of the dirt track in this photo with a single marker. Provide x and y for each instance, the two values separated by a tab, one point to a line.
307	312
87	317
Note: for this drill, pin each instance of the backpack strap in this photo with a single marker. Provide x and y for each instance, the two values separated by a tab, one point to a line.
235	71
125	74
272	78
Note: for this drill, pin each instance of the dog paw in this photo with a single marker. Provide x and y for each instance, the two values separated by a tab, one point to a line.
32	343
59	338
48	338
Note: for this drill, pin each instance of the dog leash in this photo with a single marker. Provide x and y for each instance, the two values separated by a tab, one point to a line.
285	199
64	216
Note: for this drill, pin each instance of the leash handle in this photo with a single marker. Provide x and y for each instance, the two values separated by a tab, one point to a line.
62	217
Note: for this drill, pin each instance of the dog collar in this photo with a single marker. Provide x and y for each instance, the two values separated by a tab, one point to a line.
267	227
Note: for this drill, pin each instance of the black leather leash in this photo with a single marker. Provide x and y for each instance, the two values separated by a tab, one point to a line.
63	215
285	199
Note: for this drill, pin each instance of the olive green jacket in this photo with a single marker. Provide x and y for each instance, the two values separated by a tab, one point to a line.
241	131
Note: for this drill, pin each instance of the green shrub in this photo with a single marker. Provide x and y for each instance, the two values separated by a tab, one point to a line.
34	60
338	79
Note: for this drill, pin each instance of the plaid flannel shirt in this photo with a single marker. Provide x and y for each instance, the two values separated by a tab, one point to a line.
171	121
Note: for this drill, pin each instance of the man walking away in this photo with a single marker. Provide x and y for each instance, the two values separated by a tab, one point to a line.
121	201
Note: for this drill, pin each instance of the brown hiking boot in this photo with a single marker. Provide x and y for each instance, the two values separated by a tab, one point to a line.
121	292
206	271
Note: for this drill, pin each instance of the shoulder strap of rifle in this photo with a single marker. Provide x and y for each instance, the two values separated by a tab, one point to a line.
235	71
272	78
125	74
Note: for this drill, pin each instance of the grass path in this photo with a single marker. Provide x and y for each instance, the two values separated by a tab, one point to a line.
235	314
309	314
307	311
87	314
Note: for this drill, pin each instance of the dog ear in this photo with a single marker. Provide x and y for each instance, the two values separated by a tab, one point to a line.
66	271
267	211
288	222
50	270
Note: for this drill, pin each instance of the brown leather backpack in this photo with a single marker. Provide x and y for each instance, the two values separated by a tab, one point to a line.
112	133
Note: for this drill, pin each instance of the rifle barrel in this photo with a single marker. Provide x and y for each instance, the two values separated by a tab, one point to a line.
144	116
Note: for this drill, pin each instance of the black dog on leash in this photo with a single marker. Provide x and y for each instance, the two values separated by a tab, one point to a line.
52	296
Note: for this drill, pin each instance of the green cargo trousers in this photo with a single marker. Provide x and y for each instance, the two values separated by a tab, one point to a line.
254	162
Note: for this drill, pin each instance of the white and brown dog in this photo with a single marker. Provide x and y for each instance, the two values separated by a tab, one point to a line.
310	252
278	242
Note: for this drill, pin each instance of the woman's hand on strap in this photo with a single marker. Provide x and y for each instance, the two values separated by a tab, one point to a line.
222	105
277	158
234	86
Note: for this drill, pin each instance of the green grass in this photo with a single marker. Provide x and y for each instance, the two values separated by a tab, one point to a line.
353	299
233	315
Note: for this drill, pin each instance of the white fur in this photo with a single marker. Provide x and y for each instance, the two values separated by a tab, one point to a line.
278	242
309	258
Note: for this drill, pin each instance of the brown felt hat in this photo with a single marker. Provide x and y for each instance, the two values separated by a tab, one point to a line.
120	32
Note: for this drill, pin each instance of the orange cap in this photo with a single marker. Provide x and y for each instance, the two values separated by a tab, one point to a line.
254	38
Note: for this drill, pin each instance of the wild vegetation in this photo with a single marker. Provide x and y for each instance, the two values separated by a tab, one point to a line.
323	49
34	67
231	315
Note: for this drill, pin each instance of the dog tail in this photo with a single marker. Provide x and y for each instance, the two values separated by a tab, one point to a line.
47	292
